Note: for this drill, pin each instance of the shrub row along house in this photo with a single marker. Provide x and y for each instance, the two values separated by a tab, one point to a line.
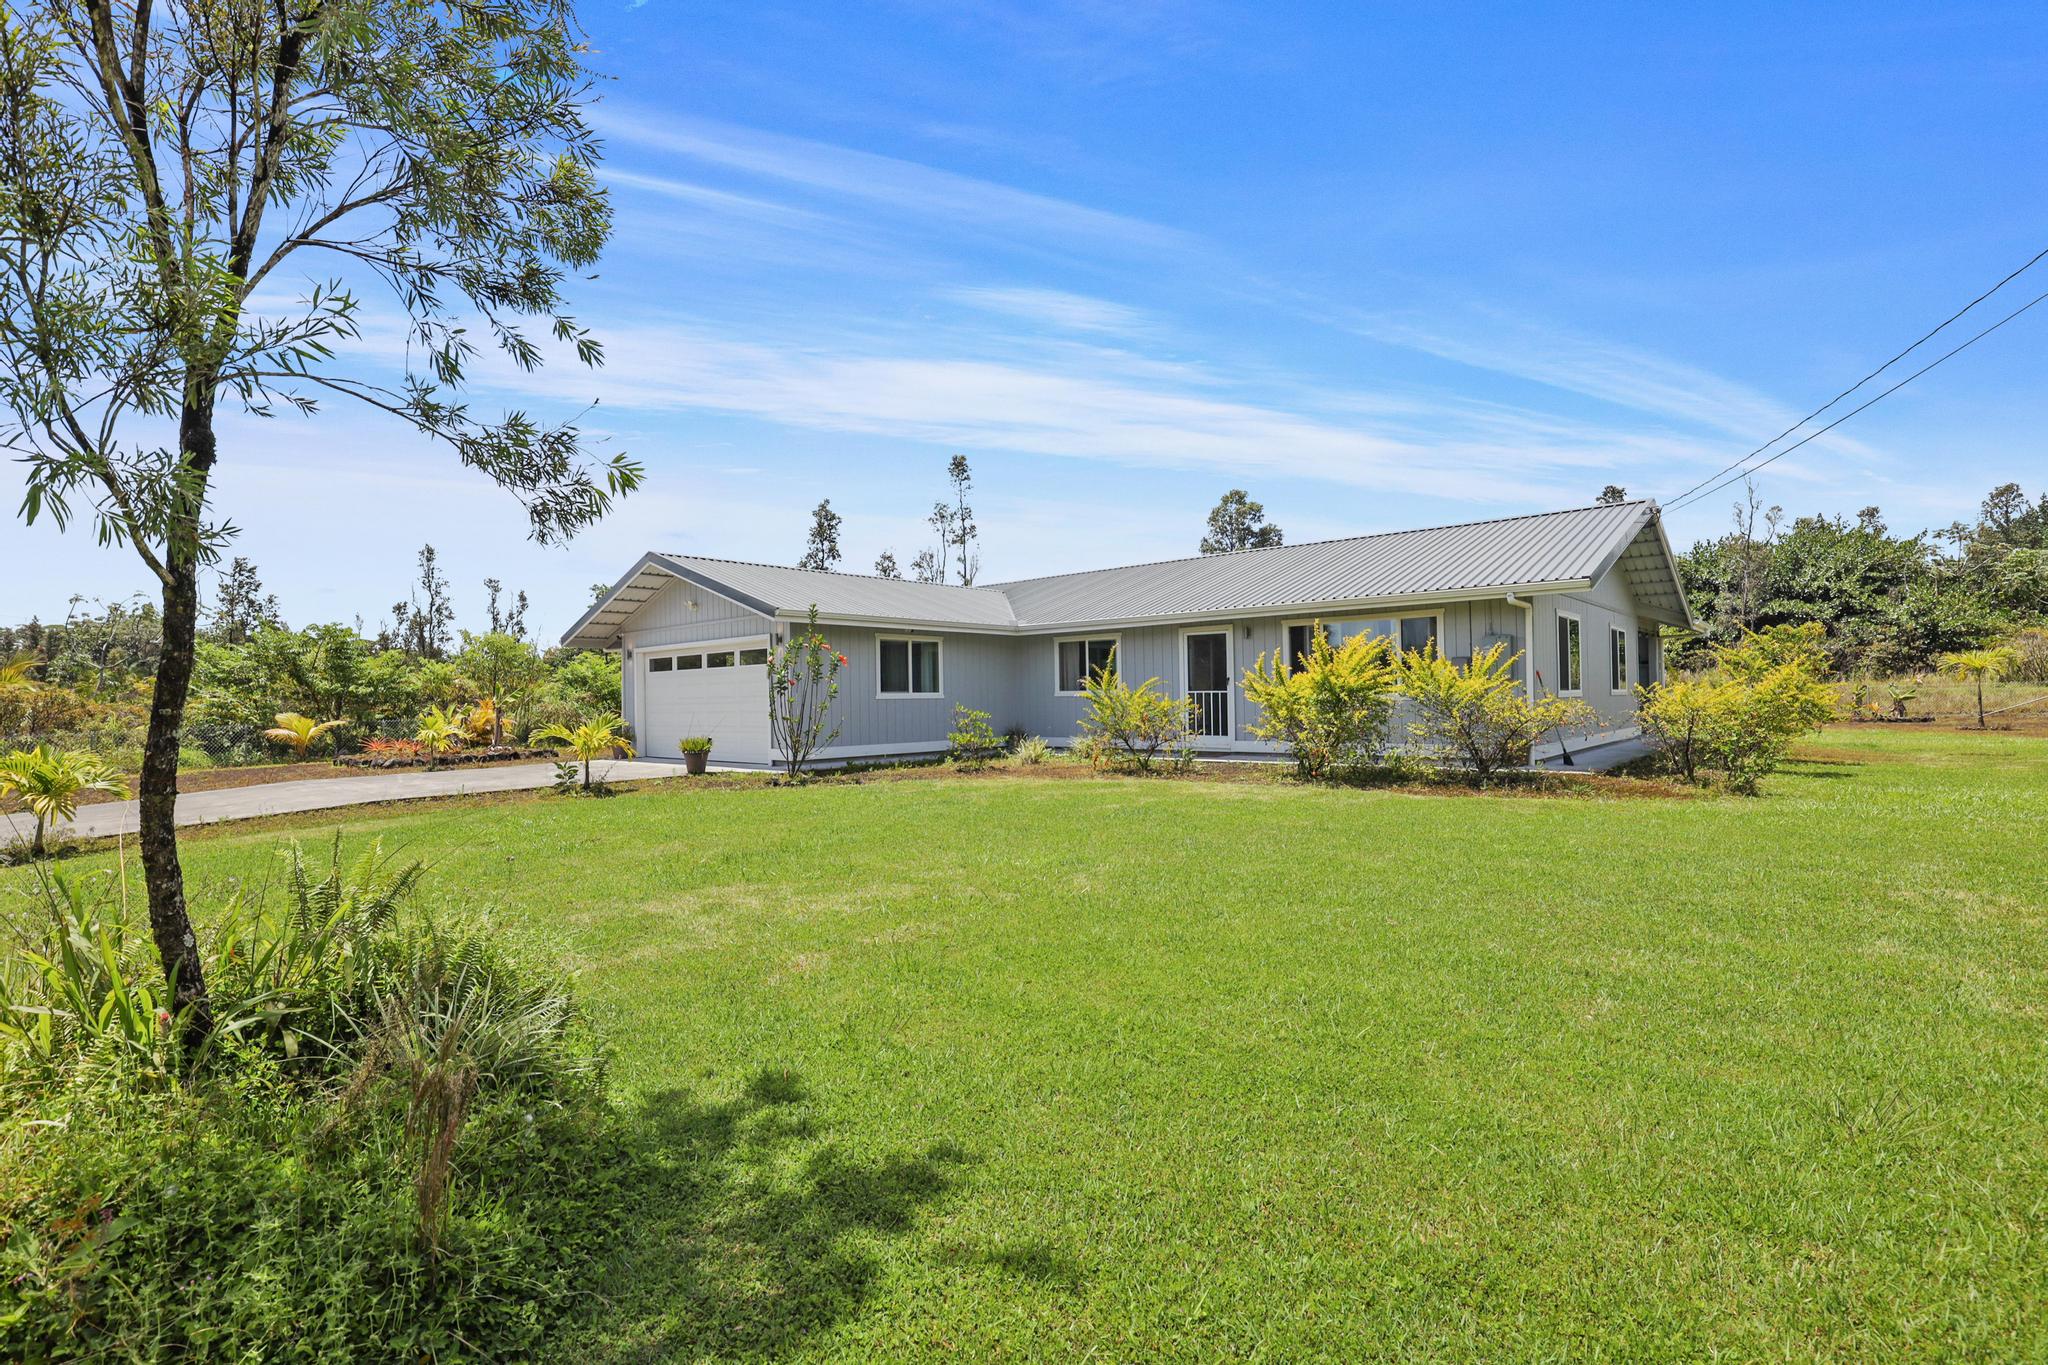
1581	595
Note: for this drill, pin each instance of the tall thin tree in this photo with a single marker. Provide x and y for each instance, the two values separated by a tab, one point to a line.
821	547
166	165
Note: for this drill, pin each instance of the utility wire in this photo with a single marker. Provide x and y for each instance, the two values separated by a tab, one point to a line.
1692	496
1674	501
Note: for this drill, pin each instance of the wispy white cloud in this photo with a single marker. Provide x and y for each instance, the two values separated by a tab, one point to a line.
1053	307
904	188
1102	404
1620	375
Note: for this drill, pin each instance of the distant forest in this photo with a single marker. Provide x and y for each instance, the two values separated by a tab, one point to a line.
1892	603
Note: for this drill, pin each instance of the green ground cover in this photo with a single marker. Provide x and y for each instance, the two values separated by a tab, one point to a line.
1011	1068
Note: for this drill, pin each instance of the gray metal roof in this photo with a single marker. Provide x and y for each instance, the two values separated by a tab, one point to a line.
1543	551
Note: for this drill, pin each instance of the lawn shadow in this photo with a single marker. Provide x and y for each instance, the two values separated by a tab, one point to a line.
749	1228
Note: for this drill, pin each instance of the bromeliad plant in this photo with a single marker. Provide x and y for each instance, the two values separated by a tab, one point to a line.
589	741
49	782
803	681
1330	709
298	732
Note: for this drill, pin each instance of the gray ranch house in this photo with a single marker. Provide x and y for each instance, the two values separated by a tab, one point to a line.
1581	594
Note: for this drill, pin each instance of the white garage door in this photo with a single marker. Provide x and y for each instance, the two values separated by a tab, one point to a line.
717	690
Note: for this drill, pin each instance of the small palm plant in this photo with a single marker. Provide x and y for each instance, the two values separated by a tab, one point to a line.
300	731
589	740
50	781
19	671
440	731
1975	665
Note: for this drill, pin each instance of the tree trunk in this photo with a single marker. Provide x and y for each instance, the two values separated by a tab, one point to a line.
169	921
1980	702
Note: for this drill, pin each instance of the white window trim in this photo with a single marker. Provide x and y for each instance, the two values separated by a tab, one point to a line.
1564	656
1437	632
934	640
1116	643
1229	634
1615	634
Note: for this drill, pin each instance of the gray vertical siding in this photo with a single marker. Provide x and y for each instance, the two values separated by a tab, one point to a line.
1014	679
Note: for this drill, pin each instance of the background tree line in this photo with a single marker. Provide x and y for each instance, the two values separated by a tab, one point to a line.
1889	603
83	683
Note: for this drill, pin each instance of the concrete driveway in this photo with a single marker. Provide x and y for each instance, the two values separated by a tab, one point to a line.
326	793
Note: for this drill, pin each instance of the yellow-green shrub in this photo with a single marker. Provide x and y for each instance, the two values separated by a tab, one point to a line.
1479	715
1741	718
1132	724
1333	709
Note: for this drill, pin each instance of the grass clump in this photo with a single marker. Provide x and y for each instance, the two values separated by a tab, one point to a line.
395	1144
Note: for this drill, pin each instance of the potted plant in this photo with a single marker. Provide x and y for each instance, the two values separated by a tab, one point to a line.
696	750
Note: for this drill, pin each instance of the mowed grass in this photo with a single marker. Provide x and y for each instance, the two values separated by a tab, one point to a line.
1161	1069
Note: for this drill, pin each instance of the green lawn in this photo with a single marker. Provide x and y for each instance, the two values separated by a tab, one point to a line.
1144	1069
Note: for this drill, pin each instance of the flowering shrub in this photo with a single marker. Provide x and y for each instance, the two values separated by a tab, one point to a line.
803	680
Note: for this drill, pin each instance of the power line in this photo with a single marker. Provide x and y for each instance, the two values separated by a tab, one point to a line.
1691	497
1949	321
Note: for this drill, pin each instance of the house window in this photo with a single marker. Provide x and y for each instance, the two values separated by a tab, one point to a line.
722	659
1080	660
1571	675
1409	632
750	657
909	668
1618	642
686	662
1649	651
661	665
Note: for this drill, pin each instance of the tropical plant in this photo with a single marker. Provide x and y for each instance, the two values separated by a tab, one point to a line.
1479	716
589	741
1133	724
49	782
1976	665
973	740
503	668
694	744
1332	709
440	732
19	671
803	681
299	731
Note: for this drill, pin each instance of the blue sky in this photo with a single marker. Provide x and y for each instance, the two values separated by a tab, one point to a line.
1382	265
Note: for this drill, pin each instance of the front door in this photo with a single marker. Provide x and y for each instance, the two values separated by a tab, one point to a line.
1208	681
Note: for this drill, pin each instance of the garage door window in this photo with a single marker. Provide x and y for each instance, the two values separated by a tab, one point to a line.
910	668
662	665
686	662
722	659
750	657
